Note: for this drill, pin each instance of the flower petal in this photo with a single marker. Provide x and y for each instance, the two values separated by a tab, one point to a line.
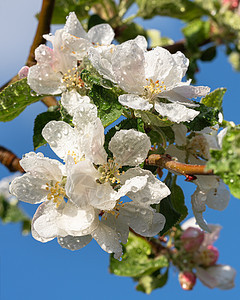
152	192
42	167
62	138
101	34
128	67
134	101
44	226
72	100
144	221
108	239
29	189
74	242
218	198
190	91
74	27
130	147
175	112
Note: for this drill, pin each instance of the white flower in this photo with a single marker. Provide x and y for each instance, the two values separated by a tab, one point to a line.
57	69
219	276
148	76
4	188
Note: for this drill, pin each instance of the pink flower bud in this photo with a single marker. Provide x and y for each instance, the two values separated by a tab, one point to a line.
209	256
232	3
23	72
192	238
187	280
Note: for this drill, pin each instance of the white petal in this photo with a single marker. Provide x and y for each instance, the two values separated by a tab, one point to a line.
117	225
206	183
180	132
190	91
74	242
42	167
29	189
181	61
141	42
133	185
130	147
101	59
221	135
86	114
211	237
101	34
176	112
144	221
218	198
135	102
62	138
103	197
173	151
107	239
152	193
72	100
44	226
78	222
128	67
74	27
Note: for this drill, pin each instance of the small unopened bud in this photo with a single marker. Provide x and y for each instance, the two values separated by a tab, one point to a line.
192	238
233	4
209	256
23	72
187	280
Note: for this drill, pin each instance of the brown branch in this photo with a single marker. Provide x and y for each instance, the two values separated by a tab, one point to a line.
44	23
10	160
166	162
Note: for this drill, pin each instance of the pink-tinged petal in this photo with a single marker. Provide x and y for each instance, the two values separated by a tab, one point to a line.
175	112
23	72
29	189
101	34
74	242
130	147
108	239
44	226
135	102
212	236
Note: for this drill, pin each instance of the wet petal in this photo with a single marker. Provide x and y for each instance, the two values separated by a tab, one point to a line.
74	242
135	102
101	34
72	101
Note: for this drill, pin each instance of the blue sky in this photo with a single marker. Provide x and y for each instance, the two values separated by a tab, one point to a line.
30	269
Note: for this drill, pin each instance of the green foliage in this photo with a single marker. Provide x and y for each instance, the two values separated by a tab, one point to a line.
172	207
62	9
151	119
196	32
130	31
181	9
157	40
208	117
208	54
214	99
226	161
91	77
95	20
15	98
106	100
148	283
40	121
10	212
234	59
136	259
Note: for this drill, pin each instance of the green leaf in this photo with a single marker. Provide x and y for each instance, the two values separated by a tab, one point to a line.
148	283
136	259
62	9
10	212
95	20
196	32
91	77
208	54
214	99
181	9
177	199
234	59
106	100
39	123
130	32
226	161
208	117
15	98
151	119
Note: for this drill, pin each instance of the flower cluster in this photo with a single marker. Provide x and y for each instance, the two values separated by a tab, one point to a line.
83	196
201	256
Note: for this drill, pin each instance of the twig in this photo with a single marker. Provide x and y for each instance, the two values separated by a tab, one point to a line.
166	162
10	160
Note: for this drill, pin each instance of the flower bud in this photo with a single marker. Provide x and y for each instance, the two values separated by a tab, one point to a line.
233	4
23	72
209	256
192	238
187	280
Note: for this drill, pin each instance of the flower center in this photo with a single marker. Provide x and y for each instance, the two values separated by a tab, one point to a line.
110	172
154	88
73	79
114	211
56	193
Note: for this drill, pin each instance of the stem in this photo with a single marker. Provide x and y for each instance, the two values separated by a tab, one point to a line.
166	162
10	160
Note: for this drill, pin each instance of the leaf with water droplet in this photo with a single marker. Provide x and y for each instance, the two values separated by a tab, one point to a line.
15	98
